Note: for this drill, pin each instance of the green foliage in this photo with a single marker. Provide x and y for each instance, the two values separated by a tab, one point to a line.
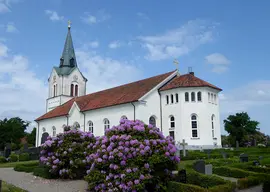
10	188
181	187
228	187
248	167
43	171
12	130
240	125
248	182
266	186
230	172
24	157
2	159
25	168
31	138
13	157
193	155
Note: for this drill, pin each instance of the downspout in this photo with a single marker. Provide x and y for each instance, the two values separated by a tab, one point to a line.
84	120
134	111
37	135
67	119
160	108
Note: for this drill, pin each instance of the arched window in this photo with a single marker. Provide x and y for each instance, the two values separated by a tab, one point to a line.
167	99
192	96
213	125
76	90
199	96
76	126
194	126
152	121
55	89
212	98
106	124
176	97
215	99
209	98
43	129
123	117
171	98
53	131
172	134
91	126
186	96
172	122
71	89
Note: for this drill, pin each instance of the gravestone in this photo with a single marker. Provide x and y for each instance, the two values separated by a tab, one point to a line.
25	147
209	169
7	150
256	163
243	158
199	166
182	176
237	145
208	151
184	147
44	137
224	155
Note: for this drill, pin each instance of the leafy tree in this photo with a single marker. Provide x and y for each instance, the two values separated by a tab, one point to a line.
12	130
31	138
240	125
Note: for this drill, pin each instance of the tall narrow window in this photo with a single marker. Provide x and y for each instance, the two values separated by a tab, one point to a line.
152	121
171	98
194	126
76	90
212	98
186	96
106	124
172	134
215	99
172	122
53	131
71	89
209	97
176	97
192	96
199	96
167	99
213	125
91	126
55	89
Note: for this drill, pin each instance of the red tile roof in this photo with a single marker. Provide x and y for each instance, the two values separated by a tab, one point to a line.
118	95
187	80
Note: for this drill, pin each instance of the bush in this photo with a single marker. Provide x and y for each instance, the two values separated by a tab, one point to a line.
132	156
193	155
27	167
228	187
248	182
249	167
24	157
266	186
13	157
44	172
230	172
65	154
181	187
2	159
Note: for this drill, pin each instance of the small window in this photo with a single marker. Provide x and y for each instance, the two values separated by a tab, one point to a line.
152	121
76	90
167	99
192	96
171	98
213	125
194	126
215	99
91	126
71	89
123	117
199	96
212	98
172	122
106	124
186	96
54	131
171	134
176	97
76	126
209	97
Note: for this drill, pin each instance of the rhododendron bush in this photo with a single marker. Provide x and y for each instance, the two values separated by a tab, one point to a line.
131	157
65	154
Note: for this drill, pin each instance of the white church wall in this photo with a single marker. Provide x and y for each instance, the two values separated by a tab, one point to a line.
76	116
52	82
71	79
113	114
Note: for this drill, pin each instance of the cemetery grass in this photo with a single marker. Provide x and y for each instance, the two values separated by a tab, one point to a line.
10	188
13	164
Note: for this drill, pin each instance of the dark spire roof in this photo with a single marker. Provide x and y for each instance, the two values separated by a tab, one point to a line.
68	58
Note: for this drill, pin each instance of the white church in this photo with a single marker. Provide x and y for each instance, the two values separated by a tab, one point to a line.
182	106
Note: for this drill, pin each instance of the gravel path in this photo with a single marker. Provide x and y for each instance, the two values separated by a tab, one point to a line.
32	183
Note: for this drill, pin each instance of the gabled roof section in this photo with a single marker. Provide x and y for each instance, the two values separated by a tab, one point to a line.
127	93
187	80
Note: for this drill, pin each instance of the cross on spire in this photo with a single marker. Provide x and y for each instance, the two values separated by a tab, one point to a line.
176	62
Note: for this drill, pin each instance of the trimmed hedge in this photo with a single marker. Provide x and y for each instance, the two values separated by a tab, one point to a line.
43	171
228	187
13	157
181	187
2	159
230	172
26	167
24	157
249	167
248	182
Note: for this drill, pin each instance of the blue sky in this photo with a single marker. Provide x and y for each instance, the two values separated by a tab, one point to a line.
225	42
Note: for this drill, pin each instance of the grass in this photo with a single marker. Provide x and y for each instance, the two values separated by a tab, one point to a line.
10	188
13	164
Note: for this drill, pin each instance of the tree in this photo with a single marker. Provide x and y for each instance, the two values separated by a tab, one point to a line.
239	126
31	138
12	130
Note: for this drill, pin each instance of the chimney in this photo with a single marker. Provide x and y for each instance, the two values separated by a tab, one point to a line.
191	73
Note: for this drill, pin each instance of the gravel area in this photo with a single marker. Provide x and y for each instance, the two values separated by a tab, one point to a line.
31	183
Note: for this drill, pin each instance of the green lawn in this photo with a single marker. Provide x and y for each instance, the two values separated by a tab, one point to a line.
13	164
10	188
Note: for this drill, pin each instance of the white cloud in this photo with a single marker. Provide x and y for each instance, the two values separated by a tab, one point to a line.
23	89
114	44
10	28
218	61
178	42
4	8
105	72
93	19
53	15
94	44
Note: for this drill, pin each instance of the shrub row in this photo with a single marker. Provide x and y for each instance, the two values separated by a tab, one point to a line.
44	172
248	182
26	167
230	172
2	159
249	167
14	158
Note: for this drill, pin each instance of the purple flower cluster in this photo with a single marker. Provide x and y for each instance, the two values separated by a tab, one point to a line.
127	157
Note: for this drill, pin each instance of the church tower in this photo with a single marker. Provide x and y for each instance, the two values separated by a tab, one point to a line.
65	81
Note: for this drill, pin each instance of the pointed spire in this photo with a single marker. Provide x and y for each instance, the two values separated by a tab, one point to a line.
68	58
